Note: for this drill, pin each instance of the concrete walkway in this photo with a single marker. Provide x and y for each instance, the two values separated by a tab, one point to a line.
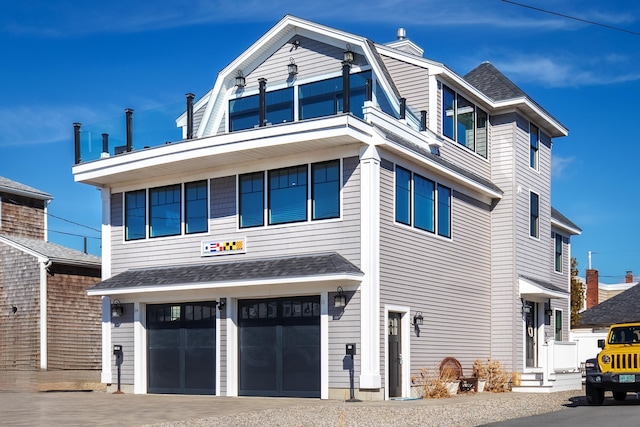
102	409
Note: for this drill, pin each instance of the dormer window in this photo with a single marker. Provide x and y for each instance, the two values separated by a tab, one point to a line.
464	122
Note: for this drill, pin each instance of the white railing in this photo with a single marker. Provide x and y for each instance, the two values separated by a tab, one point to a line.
559	357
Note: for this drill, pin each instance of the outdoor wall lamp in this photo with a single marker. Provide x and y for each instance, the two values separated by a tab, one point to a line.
418	320
117	309
240	81
14	309
222	304
548	311
292	67
349	56
340	300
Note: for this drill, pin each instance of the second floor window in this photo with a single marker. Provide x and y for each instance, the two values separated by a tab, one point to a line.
534	215
289	193
463	122
164	211
135	212
422	203
558	252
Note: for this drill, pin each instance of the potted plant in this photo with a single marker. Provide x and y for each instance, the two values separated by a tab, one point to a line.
481	372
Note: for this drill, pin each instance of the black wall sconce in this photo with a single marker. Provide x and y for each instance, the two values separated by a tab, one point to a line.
292	67
117	309
240	81
349	56
14	309
340	300
222	304
548	310
418	320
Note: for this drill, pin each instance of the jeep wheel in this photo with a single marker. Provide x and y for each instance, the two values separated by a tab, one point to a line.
595	396
619	395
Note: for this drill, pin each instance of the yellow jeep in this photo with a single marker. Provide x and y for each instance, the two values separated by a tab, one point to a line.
617	366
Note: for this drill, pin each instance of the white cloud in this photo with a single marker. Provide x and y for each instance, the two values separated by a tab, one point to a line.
560	164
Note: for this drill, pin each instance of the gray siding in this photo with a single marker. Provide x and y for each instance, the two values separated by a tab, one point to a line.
504	336
122	334
342	236
344	327
412	82
440	277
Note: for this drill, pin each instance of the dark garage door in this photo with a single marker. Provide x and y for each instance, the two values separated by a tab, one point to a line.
279	342
181	341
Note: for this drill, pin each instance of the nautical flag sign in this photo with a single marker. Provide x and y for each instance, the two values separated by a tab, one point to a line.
222	247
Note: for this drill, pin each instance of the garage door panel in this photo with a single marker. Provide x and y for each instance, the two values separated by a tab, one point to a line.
164	364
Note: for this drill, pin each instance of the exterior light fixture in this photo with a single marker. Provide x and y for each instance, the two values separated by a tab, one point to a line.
222	304
14	309
349	56
117	309
340	300
417	322
292	67
548	311
240	81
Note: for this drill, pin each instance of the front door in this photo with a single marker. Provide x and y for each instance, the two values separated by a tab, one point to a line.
395	355
531	333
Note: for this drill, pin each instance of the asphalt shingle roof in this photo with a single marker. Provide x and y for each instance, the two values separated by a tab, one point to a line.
622	308
11	186
490	81
241	270
54	252
563	219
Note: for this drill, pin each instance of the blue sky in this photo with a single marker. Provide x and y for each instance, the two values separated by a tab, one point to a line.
86	61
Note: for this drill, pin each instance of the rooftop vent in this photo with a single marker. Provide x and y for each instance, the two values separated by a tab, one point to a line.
401	34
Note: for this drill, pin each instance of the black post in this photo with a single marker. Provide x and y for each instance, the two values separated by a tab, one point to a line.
352	392
262	114
403	108
190	97
346	90
117	352
129	114
76	141
423	120
105	143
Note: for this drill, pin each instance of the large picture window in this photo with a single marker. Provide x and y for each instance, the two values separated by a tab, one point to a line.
164	211
288	196
324	98
244	113
534	215
464	122
422	203
325	190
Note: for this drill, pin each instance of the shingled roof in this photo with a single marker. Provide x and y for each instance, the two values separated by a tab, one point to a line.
490	81
326	264
555	214
52	251
13	187
622	308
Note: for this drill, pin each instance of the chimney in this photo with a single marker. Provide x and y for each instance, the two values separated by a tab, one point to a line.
629	277
592	288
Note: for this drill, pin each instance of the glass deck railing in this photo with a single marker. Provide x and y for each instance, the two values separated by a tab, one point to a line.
150	128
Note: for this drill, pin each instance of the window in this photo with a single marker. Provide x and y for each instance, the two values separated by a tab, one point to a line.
534	138
324	98
134	215
422	203
534	213
251	200
288	195
558	324
403	195
463	122
325	190
164	211
244	113
558	252
195	207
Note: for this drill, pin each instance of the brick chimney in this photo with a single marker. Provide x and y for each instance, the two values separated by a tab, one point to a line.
592	288
629	277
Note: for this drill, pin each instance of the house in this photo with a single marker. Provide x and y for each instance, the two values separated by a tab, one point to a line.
335	200
49	327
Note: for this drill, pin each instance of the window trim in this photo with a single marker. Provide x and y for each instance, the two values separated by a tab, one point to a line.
558	255
555	324
534	150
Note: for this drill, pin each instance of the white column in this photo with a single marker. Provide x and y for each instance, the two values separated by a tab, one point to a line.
106	233
139	348
106	375
370	265
232	347
324	345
